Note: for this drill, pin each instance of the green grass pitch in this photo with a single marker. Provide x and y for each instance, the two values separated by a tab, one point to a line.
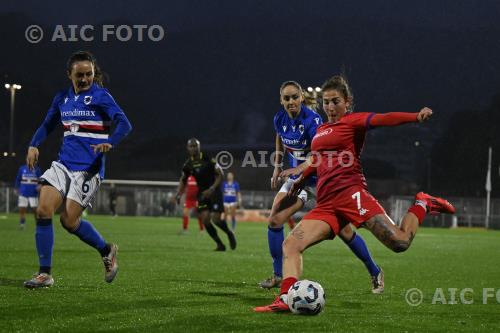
175	283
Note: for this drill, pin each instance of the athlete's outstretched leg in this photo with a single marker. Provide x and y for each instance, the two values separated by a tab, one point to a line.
305	234
72	222
399	239
283	207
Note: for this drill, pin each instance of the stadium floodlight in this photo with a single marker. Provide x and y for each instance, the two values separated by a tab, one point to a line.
12	88
310	89
318	89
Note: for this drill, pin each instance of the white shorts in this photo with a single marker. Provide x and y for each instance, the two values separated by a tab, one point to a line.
304	195
230	204
24	202
79	186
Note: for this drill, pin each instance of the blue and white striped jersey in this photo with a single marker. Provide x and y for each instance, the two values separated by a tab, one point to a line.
87	119
296	134
27	181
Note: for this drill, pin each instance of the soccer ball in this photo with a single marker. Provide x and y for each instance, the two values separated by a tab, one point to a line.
306	297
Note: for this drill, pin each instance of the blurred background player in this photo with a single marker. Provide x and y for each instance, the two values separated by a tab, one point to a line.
86	111
27	187
190	205
232	198
295	127
208	175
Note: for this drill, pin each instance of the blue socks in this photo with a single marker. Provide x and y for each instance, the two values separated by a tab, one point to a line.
22	221
88	234
233	222
358	246
44	239
275	238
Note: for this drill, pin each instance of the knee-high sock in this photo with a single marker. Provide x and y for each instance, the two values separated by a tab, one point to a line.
358	247
233	222
212	232
185	222
88	234
275	238
419	209
44	239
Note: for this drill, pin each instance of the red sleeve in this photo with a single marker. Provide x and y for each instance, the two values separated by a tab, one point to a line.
392	119
358	119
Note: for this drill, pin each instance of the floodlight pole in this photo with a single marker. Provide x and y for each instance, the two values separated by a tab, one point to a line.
488	190
12	88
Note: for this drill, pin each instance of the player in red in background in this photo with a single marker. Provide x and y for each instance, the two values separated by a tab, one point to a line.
342	190
190	204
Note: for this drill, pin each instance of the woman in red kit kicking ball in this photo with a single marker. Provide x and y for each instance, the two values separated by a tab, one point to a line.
342	194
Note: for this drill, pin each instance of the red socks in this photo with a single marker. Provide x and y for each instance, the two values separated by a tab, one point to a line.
419	211
286	284
185	221
200	224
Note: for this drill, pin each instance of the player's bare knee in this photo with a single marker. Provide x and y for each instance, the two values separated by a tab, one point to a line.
68	223
292	245
44	211
275	222
398	245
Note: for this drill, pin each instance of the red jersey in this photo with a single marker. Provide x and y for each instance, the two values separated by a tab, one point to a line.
338	147
191	189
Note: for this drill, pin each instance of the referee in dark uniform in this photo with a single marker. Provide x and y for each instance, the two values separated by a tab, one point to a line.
208	175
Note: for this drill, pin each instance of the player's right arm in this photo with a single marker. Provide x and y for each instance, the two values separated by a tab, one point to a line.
279	152
182	183
49	123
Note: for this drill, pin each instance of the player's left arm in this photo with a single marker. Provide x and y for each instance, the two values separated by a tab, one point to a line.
186	171
219	176
399	118
123	126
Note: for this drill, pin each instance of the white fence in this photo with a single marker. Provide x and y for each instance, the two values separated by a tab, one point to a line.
139	198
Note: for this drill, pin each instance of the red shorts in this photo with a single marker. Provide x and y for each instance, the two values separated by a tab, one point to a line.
353	205
190	204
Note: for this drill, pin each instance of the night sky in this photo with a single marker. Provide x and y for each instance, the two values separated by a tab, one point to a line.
216	73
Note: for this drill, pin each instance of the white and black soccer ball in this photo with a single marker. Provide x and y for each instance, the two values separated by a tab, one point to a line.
306	297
